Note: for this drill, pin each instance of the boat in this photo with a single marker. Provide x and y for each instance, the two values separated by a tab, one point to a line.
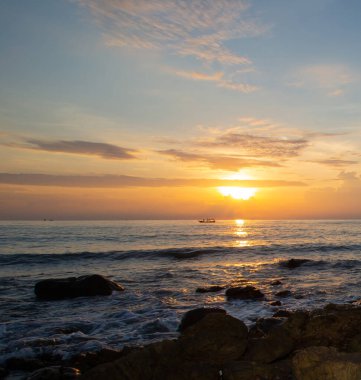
208	220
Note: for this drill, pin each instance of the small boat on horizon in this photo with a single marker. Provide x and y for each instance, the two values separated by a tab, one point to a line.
207	220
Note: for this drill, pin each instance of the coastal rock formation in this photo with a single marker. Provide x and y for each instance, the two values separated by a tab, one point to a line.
299	345
244	293
71	287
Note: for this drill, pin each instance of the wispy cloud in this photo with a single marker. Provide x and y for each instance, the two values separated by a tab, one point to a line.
115	181
331	78
219	161
218	78
197	29
103	150
256	145
336	162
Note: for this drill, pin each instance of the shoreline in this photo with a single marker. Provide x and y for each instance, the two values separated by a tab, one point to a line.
303	345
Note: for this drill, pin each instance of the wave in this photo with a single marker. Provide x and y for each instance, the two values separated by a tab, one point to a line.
288	250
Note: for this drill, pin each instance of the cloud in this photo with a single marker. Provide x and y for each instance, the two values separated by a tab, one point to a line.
115	181
256	145
331	78
219	161
103	150
335	162
218	78
189	28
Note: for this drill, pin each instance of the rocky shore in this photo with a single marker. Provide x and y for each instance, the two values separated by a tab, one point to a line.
212	345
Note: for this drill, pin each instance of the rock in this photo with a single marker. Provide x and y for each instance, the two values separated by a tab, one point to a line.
315	363
195	315
161	360
282	314
276	303
55	373
87	360
243	370
217	337
293	263
23	364
277	344
83	286
209	289
3	373
283	293
276	282
244	292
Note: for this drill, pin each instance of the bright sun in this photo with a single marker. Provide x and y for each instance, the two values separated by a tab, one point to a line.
243	193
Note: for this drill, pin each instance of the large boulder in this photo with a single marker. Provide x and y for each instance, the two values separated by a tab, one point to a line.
71	287
193	316
217	337
244	293
315	363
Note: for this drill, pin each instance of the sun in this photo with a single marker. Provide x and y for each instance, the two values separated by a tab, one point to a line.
243	193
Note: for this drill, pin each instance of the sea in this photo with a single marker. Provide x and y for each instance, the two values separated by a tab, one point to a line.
161	264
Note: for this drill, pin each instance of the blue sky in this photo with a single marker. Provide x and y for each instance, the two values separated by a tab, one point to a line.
250	90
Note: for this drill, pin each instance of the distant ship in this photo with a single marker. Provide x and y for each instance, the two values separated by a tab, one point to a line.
208	220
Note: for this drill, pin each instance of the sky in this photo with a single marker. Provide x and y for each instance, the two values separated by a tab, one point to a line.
150	109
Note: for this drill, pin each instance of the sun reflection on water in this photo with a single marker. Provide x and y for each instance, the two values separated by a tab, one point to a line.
241	233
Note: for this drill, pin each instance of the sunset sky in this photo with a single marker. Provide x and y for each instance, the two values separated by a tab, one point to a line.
145	108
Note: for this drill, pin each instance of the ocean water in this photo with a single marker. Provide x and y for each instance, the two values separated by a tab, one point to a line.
160	264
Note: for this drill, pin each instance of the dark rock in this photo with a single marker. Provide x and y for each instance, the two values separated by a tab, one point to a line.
243	370
276	303
277	344
315	363
83	286
276	282
23	364
244	292
293	263
55	373
283	293
217	337
3	373
209	289
87	360
281	314
267	324
195	315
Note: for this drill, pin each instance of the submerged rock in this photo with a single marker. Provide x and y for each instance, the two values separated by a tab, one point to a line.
293	263
244	293
209	289
283	293
71	287
276	282
193	316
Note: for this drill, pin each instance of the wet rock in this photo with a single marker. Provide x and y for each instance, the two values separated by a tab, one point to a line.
83	286
209	289
276	303
276	283
282	314
244	293
195	315
243	370
293	263
315	363
55	373
283	293
217	337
